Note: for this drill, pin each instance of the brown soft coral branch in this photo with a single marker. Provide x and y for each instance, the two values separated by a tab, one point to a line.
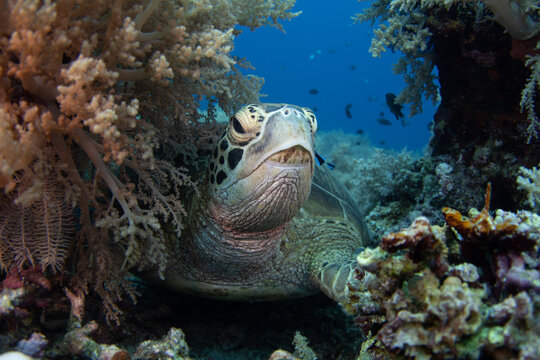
514	19
142	17
73	78
114	185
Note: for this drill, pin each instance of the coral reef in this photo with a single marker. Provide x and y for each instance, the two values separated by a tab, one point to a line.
98	114
405	31
529	180
391	188
466	290
101	127
282	355
78	342
302	349
486	69
34	346
172	347
411	27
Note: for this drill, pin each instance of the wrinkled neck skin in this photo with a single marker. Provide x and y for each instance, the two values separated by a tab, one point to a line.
242	227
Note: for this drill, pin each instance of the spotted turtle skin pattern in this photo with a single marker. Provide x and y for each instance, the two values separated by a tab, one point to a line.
267	223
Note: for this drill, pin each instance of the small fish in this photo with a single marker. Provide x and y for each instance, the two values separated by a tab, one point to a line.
348	111
382	142
352	67
313	91
384	121
395	108
359	131
315	109
372	98
381	114
321	161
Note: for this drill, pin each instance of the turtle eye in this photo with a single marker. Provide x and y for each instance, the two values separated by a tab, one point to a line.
244	125
237	126
312	120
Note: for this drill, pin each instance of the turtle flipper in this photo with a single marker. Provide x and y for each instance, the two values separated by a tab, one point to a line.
334	277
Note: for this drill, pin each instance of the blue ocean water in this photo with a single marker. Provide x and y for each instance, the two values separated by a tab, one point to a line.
323	49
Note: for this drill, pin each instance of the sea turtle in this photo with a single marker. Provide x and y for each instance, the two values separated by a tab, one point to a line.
267	222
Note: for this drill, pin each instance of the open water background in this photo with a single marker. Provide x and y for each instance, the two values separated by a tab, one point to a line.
323	49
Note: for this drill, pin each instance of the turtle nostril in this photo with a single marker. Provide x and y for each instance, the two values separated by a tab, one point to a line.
286	112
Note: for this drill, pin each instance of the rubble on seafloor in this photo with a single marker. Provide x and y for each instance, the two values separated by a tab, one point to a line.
151	330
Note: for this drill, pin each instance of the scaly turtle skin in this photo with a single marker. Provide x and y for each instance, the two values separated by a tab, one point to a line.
267	223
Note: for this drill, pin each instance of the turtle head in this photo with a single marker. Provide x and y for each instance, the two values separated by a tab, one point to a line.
260	172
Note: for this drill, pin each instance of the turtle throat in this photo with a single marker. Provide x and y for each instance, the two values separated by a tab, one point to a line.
248	219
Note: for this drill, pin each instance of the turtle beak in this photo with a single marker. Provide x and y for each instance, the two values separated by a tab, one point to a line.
293	156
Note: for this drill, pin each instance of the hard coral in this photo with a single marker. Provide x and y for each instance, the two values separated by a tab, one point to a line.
422	242
433	317
171	347
506	239
467	308
423	311
33	346
77	341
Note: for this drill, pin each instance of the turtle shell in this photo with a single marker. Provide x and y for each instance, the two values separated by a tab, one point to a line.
329	198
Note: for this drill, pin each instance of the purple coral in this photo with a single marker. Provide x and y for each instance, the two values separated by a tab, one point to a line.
512	270
34	346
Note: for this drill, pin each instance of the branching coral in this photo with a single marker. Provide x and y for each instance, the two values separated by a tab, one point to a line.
405	31
102	96
529	180
529	93
515	16
405	26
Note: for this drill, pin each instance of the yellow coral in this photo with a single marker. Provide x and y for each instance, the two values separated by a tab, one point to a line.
481	225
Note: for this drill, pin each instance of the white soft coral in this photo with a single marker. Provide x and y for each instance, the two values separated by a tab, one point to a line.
514	17
529	180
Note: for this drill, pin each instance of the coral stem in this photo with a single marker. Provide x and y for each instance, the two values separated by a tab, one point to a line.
487	198
149	36
518	24
112	182
131	74
143	17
